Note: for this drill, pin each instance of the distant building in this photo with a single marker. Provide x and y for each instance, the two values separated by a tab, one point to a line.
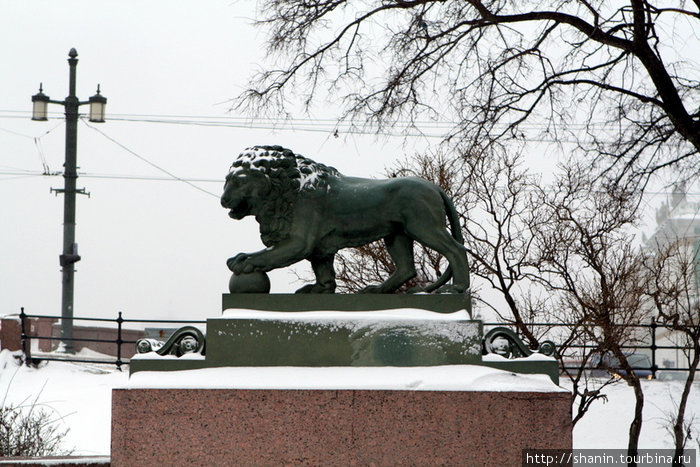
678	220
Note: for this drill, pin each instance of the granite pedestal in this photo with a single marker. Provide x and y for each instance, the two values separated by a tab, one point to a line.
334	427
206	416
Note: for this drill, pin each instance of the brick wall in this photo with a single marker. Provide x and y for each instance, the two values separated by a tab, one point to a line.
10	334
95	332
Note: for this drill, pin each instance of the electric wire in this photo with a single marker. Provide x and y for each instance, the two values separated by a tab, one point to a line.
323	125
4	179
296	120
108	176
135	154
16	133
412	128
42	158
37	144
36	173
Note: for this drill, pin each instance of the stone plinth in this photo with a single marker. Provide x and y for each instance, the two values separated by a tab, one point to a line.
334	427
253	340
439	303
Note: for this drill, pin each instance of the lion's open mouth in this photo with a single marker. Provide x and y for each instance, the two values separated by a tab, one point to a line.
239	211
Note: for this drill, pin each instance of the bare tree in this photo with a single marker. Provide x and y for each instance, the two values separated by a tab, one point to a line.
524	244
617	80
501	214
589	260
672	284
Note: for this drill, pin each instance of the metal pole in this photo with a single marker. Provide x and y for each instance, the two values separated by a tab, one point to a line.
70	175
653	348
120	320
26	346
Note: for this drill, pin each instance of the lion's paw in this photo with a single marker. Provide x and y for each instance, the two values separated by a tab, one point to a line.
315	288
239	264
451	289
372	289
308	288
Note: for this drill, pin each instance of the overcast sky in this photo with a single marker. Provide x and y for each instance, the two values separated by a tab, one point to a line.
150	248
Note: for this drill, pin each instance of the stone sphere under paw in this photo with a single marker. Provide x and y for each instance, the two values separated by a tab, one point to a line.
252	282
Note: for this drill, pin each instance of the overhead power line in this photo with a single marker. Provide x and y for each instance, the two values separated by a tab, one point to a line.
411	128
420	129
16	133
152	178
108	176
37	143
152	164
35	173
296	120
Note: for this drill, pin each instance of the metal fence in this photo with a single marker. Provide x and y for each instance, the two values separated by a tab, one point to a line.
652	347
119	341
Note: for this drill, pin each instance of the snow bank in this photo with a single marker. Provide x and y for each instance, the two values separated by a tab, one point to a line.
432	378
79	395
72	460
84	353
535	357
607	424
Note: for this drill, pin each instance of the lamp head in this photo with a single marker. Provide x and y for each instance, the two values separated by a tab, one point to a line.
40	105
97	107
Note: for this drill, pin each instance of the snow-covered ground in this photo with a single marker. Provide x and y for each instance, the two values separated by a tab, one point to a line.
81	394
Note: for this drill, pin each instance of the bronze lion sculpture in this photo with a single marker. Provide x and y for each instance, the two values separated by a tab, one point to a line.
307	210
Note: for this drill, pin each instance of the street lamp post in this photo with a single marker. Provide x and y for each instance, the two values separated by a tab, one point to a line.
70	255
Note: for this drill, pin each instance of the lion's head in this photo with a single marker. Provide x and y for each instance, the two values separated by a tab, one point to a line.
266	181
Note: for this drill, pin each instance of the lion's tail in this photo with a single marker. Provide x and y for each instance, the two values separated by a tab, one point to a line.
453	218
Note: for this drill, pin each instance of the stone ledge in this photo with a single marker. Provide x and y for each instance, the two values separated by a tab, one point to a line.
255	338
440	303
342	342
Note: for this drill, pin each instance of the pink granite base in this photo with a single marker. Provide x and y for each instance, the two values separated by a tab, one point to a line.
329	427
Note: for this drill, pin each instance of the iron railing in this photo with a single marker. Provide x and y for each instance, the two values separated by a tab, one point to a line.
652	347
119	341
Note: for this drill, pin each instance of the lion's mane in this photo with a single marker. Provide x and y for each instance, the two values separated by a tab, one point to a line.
289	177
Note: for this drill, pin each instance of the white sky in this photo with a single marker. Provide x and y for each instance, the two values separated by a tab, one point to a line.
151	249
